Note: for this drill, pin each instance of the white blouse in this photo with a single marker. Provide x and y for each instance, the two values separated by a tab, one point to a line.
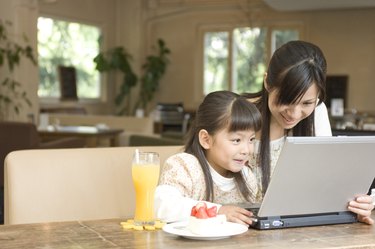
182	186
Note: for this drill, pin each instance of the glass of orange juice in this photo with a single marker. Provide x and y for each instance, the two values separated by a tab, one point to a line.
145	173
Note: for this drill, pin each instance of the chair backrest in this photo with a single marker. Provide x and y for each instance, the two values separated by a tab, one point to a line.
71	184
16	136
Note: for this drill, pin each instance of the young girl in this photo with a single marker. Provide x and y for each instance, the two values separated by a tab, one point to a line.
213	166
291	104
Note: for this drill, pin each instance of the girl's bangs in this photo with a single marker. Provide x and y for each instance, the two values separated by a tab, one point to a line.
244	117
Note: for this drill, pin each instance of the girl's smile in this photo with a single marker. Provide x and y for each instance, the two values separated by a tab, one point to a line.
229	151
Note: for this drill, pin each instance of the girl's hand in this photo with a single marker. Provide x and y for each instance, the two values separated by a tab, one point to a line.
236	214
363	205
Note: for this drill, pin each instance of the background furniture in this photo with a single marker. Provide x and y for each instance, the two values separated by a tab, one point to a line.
71	184
98	234
173	118
92	135
153	140
130	124
20	136
71	110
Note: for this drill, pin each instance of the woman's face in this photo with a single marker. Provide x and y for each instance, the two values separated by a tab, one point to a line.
288	116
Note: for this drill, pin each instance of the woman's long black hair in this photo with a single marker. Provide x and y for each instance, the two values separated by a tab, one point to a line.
292	70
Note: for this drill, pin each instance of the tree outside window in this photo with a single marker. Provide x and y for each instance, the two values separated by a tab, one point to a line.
68	44
236	60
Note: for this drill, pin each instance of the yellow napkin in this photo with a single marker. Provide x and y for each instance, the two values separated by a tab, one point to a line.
129	224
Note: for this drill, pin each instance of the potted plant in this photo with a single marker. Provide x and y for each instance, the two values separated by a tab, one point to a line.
153	71
12	96
118	59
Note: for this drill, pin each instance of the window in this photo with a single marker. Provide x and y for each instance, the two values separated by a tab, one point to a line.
236	60
67	44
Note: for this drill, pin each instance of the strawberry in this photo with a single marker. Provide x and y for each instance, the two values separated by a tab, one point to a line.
201	204
211	212
193	211
202	213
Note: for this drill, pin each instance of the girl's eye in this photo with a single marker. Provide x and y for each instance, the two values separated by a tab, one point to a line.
252	140
236	141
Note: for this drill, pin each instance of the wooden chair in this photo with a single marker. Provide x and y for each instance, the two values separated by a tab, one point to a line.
71	184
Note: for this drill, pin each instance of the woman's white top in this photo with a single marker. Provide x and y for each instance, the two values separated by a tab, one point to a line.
321	121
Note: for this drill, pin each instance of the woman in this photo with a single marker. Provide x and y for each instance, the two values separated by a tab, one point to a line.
291	103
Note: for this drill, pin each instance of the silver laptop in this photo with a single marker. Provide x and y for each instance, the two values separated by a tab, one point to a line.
314	179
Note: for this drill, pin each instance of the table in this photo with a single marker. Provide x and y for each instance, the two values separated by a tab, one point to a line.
109	234
92	134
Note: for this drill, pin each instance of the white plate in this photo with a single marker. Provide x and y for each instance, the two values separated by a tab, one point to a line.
226	230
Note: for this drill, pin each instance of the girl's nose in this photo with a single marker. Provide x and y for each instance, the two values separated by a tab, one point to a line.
247	148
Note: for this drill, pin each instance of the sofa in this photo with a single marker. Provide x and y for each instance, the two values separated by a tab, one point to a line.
20	136
72	184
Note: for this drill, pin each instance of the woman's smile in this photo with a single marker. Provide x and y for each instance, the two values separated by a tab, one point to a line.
289	121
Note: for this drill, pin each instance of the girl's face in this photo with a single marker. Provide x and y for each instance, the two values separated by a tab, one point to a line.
288	116
229	151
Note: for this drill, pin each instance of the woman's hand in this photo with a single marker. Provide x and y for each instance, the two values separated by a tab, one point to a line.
362	206
236	214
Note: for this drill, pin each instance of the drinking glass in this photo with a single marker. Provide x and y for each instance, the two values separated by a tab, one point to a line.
145	173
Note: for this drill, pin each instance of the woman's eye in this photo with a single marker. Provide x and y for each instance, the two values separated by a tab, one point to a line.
307	103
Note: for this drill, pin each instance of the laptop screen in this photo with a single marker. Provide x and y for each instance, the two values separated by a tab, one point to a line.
315	175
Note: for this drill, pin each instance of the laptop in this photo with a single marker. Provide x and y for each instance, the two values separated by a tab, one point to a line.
313	181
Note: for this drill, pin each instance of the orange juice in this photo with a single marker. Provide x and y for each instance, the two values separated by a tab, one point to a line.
145	180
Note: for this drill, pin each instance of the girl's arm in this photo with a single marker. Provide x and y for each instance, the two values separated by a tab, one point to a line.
171	206
181	186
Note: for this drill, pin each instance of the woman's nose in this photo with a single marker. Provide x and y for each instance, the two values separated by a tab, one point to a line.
293	111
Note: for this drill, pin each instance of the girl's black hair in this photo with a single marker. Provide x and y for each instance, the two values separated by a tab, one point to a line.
293	68
221	110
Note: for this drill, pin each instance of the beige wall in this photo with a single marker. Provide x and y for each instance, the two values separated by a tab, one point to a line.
347	37
348	41
22	14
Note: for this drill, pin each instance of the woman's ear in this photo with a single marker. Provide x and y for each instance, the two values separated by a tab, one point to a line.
265	82
204	139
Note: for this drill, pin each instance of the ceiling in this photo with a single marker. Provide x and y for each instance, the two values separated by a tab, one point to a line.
291	5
